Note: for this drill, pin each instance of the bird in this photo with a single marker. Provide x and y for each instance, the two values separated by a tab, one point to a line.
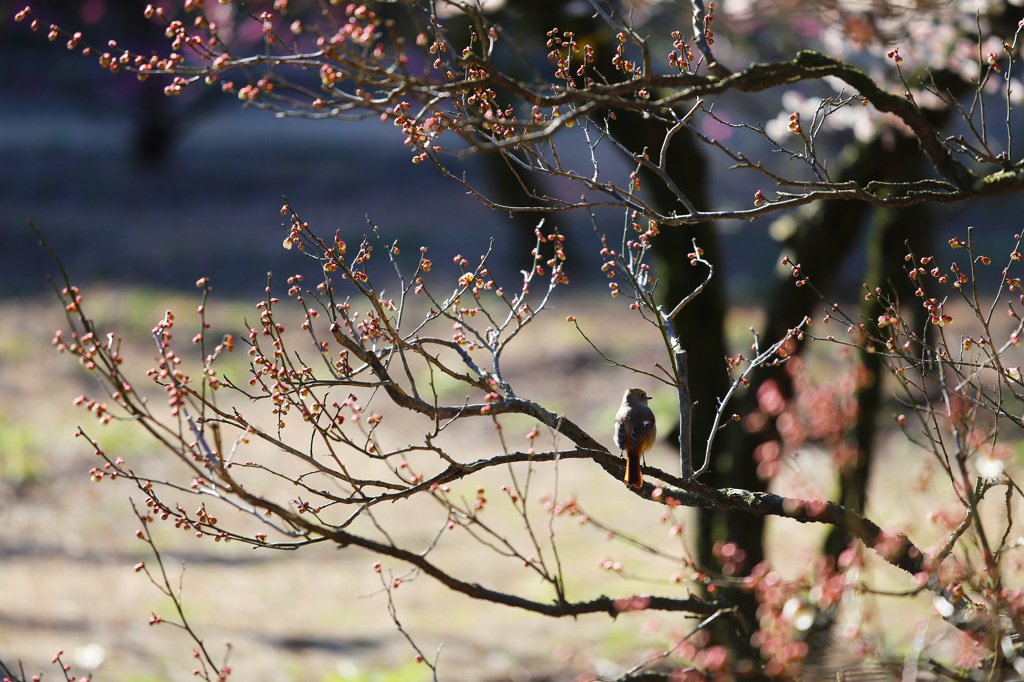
635	432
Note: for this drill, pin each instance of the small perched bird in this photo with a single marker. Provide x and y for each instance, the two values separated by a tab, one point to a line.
635	432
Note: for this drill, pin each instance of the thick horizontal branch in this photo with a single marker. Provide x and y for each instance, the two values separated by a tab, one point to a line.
898	550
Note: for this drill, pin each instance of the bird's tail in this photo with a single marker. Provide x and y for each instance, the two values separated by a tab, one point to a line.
633	476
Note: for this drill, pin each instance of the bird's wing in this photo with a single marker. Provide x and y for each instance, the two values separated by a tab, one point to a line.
641	430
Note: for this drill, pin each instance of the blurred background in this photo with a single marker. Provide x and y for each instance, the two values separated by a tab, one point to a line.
141	195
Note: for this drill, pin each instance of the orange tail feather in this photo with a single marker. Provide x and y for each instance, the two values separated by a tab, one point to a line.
633	476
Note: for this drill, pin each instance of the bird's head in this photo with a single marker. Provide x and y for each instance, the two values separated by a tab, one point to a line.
637	394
